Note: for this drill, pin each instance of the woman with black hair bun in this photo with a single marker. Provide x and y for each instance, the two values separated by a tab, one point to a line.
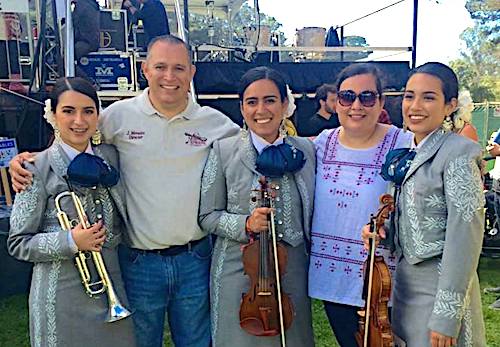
227	209
61	313
438	225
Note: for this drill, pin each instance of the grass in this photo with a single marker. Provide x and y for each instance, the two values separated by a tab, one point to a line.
14	331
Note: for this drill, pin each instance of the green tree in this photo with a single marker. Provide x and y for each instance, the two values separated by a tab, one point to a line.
477	68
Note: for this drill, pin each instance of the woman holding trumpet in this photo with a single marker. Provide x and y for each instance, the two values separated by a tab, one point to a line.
61	311
230	180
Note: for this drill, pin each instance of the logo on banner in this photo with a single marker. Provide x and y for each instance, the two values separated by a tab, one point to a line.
103	70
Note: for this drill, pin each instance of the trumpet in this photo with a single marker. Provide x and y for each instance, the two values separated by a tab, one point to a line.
93	288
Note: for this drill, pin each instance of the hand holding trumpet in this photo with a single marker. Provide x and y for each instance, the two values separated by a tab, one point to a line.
90	239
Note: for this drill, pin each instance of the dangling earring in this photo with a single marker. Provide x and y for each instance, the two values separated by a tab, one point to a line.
282	130
447	124
97	138
244	129
57	134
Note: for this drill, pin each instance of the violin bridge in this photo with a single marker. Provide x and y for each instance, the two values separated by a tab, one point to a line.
264	293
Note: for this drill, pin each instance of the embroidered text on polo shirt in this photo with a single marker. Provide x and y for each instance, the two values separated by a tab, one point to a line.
134	134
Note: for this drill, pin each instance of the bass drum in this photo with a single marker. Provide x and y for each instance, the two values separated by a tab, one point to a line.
311	37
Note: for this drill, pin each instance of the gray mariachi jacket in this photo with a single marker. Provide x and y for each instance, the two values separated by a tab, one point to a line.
36	235
230	170
440	214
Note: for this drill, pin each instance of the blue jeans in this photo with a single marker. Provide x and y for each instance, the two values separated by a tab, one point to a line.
178	285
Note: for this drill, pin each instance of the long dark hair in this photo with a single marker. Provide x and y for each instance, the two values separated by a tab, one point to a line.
76	84
263	73
361	69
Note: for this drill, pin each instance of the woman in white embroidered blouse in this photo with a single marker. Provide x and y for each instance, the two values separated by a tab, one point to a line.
348	187
439	221
61	313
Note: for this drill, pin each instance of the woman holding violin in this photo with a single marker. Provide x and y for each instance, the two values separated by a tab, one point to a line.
438	224
348	187
240	206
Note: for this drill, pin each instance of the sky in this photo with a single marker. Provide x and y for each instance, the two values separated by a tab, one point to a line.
440	23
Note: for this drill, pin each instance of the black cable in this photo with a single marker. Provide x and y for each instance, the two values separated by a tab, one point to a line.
369	14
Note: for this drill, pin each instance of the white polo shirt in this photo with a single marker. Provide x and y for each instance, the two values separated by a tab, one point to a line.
161	165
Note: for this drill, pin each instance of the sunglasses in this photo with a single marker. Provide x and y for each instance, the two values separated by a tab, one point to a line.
367	98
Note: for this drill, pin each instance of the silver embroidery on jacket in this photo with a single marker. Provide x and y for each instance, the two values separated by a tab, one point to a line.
50	305
290	233
25	204
48	243
216	284
248	149
449	304
416	233
467	328
57	159
435	201
35	308
210	173
228	223
107	210
431	223
466	197
301	186
233	201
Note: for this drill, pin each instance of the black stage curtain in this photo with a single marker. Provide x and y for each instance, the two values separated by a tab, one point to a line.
223	78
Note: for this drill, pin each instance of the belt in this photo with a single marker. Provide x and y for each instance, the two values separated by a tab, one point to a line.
170	251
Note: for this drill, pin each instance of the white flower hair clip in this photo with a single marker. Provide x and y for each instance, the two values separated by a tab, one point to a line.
48	114
291	103
465	106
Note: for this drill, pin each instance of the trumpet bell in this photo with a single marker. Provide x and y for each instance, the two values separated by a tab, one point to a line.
116	313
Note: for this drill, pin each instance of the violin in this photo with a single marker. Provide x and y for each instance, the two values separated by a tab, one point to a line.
374	327
265	310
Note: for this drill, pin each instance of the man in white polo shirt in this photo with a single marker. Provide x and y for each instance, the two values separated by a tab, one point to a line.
163	139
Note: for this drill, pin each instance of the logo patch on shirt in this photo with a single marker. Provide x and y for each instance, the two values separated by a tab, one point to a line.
195	139
135	134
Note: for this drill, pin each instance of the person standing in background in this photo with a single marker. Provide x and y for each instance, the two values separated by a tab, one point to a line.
86	24
325	117
153	16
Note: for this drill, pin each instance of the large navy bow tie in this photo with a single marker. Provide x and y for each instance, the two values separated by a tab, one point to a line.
397	163
275	161
88	170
